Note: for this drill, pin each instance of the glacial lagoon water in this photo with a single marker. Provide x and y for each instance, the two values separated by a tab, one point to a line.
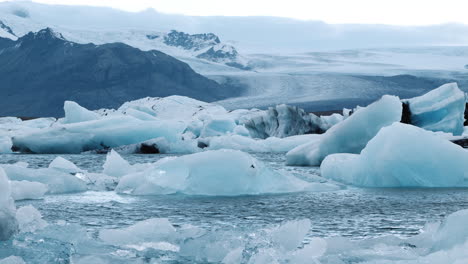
354	213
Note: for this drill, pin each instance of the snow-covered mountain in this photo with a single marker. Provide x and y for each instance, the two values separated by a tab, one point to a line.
41	69
270	60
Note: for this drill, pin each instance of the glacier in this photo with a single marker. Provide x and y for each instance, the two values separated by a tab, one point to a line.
401	155
350	135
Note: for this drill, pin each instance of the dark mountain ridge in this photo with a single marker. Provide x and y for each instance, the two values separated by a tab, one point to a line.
41	70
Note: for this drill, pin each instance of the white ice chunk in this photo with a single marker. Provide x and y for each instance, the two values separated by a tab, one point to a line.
8	223
107	132
74	113
5	144
25	190
452	231
234	256
56	180
115	165
401	156
271	144
441	109
29	219
173	107
351	135
290	235
217	126
12	260
64	165
220	172
314	249
151	230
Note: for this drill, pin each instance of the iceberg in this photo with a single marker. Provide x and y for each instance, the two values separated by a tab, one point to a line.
29	219
27	190
12	260
150	230
271	144
8	223
216	172
103	133
74	113
441	109
401	155
64	165
115	165
56	180
5	144
173	124
350	135
282	121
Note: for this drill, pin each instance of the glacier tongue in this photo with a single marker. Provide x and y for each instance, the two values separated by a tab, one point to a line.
401	156
350	135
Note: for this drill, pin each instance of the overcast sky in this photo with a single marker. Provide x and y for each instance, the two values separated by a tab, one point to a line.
395	12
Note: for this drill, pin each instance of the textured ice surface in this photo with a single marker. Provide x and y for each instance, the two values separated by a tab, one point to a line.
401	156
24	190
271	144
56	180
12	260
5	144
217	172
147	231
96	134
283	121
351	135
441	109
29	219
74	113
8	223
115	165
173	124
64	165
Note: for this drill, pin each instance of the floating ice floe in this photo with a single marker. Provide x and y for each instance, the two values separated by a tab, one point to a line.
5	144
57	181
220	172
401	155
29	219
173	124
12	260
350	135
27	190
271	144
96	134
441	109
8	223
283	121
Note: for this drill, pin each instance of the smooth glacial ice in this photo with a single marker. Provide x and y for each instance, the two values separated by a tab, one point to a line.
350	135
56	180
8	223
217	172
401	155
5	144
441	109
